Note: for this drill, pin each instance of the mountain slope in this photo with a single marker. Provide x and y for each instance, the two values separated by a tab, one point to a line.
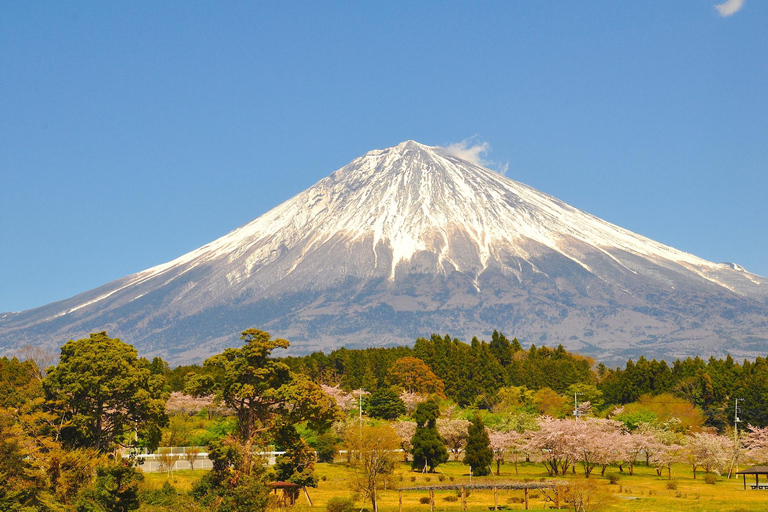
410	240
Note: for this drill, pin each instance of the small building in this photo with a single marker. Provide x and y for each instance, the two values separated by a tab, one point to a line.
757	471
289	492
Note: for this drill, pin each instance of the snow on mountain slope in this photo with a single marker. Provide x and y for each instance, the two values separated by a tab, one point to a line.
413	229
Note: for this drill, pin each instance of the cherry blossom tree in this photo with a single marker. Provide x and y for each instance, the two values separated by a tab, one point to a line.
454	433
405	431
756	442
592	442
504	444
412	400
711	452
345	401
553	441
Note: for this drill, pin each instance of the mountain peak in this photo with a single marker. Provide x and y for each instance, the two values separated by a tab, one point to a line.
409	240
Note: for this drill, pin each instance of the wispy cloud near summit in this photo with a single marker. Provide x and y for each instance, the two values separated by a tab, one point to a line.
729	7
473	150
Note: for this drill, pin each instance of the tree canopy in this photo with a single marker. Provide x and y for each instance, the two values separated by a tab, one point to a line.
103	392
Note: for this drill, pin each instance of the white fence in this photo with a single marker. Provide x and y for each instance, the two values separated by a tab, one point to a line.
178	458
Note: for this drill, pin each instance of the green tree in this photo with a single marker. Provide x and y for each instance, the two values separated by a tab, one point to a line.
269	400
478	454
102	391
237	480
428	447
386	404
116	489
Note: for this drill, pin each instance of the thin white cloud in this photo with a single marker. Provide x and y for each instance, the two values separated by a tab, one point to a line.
474	150
729	7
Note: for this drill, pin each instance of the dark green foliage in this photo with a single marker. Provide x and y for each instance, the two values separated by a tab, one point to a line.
165	496
237	480
326	446
103	391
116	489
385	403
429	449
478	453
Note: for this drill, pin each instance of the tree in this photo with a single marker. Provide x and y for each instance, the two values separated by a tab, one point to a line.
103	391
237	480
270	401
374	457
454	433
386	404
405	431
502	444
116	488
428	447
414	376
478	454
553	441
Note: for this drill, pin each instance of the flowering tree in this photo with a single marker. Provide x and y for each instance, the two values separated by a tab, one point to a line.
553	441
454	433
593	442
344	401
635	443
711	452
504	444
412	400
756	442
405	431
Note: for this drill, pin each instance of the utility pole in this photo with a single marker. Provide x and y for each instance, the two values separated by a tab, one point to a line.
736	421
576	412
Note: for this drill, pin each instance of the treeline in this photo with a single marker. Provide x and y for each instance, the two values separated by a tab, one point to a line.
472	374
711	385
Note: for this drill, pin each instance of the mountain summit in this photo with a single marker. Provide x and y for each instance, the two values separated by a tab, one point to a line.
410	240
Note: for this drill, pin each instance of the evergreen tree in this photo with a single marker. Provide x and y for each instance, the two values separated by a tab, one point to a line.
428	447
385	404
478	454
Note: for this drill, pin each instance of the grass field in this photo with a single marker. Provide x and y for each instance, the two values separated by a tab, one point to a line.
642	492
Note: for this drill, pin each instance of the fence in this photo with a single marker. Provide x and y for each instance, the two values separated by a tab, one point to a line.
178	458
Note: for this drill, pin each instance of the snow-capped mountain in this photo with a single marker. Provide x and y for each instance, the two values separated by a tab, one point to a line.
410	240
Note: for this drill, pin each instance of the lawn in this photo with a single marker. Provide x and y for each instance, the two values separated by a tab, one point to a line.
644	491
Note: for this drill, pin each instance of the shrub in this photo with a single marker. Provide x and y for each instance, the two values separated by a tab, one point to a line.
413	479
441	478
165	496
451	498
672	485
427	479
424	500
613	478
325	446
338	504
451	479
710	478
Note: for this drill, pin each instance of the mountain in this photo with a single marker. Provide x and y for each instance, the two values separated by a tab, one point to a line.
410	240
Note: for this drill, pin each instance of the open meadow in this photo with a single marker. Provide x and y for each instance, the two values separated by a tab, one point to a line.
644	491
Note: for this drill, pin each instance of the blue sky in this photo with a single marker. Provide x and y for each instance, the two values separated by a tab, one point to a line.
134	132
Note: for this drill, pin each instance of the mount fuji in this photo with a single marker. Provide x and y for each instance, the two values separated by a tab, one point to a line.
410	240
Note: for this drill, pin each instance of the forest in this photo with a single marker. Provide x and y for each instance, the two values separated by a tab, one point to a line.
75	427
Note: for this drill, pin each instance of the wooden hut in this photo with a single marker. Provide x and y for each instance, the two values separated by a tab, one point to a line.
757	471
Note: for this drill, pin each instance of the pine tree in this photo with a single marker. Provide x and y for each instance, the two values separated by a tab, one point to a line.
428	447
478	454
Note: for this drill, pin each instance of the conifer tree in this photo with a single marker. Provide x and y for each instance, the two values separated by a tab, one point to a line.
478	454
428	447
